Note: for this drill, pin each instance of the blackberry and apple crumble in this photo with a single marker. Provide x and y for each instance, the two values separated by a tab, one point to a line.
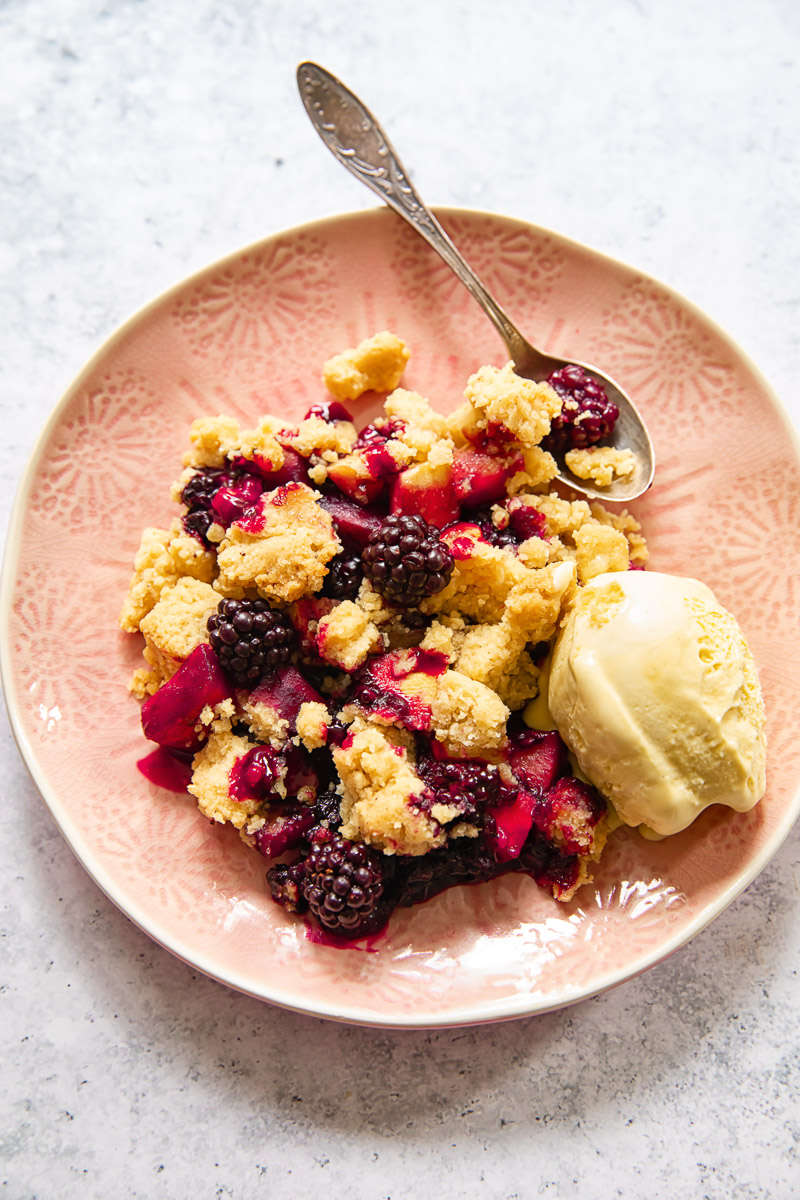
346	632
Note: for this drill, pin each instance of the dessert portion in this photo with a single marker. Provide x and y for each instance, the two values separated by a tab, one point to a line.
348	634
655	691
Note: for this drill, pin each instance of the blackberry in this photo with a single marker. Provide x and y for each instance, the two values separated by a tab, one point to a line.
199	491
249	638
406	560
469	860
468	785
344	577
343	884
198	522
337	732
328	808
587	415
413	619
285	882
505	539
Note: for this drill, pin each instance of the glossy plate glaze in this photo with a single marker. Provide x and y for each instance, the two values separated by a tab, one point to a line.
249	335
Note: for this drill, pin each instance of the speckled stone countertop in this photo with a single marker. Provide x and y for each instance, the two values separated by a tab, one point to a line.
141	141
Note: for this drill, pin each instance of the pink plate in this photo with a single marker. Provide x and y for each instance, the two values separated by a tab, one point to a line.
249	335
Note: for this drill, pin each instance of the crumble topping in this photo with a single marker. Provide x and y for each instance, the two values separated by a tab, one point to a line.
262	444
164	556
495	654
315	436
466	716
601	464
376	364
498	399
442	638
265	722
599	549
281	550
387	717
346	637
211	782
216	440
176	624
538	469
312	724
423	427
213	439
379	789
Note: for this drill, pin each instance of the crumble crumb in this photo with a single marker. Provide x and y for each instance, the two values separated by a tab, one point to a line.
346	636
143	683
282	552
495	654
482	577
539	468
262	444
534	553
502	400
219	717
373	604
441	639
467	716
213	439
489	653
379	786
164	555
318	473
534	605
176	624
521	684
626	523
217	440
376	364
211	768
600	548
601	464
564	519
266	723
313	720
316	436
423	426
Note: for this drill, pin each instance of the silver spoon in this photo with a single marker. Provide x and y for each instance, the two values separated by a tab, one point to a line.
352	135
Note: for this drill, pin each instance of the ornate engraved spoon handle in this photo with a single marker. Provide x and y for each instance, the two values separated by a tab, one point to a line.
352	135
355	138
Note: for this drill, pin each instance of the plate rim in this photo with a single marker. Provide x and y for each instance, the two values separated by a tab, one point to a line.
511	1007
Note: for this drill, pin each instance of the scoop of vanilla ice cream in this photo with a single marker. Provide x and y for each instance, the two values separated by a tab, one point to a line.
654	689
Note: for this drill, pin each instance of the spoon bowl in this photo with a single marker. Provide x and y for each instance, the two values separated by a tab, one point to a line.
355	138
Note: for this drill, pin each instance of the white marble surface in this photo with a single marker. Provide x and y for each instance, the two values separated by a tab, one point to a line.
141	141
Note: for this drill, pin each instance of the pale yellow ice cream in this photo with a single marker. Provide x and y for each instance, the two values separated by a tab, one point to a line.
655	691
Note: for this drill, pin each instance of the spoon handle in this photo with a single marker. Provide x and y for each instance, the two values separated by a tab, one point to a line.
355	138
